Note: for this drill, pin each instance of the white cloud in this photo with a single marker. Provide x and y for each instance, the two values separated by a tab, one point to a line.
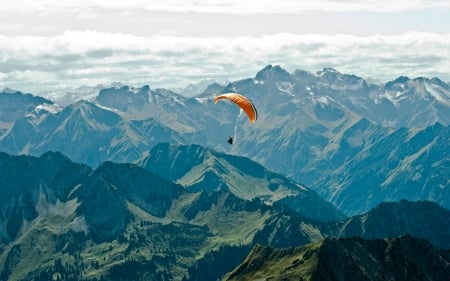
229	6
46	44
75	58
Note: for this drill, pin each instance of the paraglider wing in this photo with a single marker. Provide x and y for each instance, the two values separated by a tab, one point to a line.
241	101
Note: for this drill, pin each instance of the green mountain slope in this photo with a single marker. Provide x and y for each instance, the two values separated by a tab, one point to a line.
103	222
61	219
404	258
198	168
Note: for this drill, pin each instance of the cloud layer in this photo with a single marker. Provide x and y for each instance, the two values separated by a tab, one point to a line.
40	64
46	45
229	6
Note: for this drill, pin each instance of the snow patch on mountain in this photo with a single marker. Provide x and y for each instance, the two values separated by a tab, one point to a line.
439	94
202	100
177	99
321	100
393	97
108	108
286	88
51	108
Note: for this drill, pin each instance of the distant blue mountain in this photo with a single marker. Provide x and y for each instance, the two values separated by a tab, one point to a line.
411	164
353	142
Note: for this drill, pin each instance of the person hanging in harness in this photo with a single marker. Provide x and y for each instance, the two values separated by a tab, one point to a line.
244	104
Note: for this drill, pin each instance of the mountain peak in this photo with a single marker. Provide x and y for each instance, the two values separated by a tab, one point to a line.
54	156
128	99
9	91
339	81
402	80
272	73
123	89
171	161
15	105
87	108
391	219
198	168
328	72
403	204
441	83
211	89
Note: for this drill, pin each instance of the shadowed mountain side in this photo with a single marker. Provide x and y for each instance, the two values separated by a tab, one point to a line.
25	180
392	219
422	219
121	218
198	168
404	258
115	214
147	190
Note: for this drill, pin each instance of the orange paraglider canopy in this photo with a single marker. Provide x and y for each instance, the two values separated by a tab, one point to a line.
241	101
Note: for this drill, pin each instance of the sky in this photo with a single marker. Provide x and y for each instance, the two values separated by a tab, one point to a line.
47	46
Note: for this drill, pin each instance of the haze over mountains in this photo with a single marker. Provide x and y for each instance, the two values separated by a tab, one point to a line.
143	178
318	129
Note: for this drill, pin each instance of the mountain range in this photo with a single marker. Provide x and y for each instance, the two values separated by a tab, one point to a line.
322	130
198	168
140	184
61	218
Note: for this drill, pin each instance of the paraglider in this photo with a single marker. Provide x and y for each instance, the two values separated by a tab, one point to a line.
244	103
